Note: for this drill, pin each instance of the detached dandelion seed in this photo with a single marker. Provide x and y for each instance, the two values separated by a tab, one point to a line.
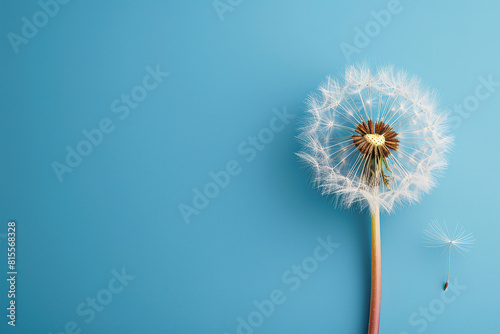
374	140
437	235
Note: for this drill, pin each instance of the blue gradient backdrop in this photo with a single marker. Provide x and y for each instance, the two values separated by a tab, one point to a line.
119	208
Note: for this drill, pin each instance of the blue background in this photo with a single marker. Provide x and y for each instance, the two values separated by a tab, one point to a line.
120	207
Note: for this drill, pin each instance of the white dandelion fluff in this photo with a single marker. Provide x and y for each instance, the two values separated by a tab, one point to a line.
374	138
437	235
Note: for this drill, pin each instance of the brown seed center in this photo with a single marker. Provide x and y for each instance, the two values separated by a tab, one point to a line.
375	140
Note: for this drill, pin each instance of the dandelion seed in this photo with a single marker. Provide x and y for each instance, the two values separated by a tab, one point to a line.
437	235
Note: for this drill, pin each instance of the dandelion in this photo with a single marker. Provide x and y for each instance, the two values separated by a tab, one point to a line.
374	140
439	236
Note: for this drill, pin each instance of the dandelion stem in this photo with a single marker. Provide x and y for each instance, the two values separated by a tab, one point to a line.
376	274
449	266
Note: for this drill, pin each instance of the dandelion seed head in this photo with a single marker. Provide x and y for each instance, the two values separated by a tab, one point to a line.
374	138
